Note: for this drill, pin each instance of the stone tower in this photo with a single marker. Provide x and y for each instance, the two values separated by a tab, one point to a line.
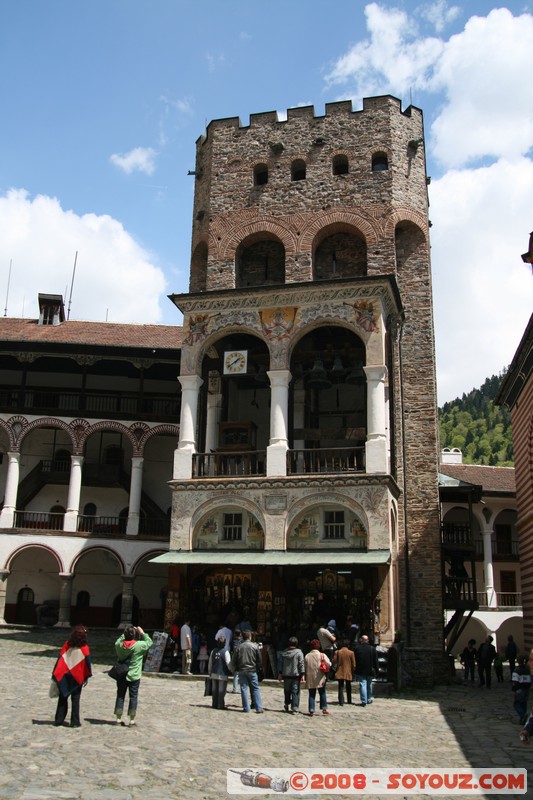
307	460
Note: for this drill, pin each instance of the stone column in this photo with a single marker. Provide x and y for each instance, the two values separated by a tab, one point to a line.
214	408
279	405
488	569
376	437
127	600
136	482
7	515
65	600
74	492
4	574
187	441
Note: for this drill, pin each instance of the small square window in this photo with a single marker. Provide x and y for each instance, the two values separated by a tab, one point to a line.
232	528
334	525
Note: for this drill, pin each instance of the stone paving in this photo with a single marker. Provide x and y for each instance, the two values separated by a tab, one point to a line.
181	748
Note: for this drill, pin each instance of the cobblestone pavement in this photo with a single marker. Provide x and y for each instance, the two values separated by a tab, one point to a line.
181	747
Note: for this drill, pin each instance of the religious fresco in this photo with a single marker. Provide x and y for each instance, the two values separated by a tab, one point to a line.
307	534
278	323
365	316
197	328
209	536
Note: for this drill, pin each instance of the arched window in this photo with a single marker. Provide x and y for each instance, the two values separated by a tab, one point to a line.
380	162
340	165
260	174
298	170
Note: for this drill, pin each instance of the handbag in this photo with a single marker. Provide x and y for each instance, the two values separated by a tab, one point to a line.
208	688
323	666
119	669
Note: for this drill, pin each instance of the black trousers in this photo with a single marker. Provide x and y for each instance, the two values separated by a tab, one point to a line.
62	708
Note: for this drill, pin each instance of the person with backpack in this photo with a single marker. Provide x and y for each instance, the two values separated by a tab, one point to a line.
219	671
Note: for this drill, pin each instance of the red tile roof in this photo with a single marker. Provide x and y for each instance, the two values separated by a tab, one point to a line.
110	334
492	479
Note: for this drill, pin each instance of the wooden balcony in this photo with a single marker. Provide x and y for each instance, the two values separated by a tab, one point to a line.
460	593
108	405
503	600
91	525
456	536
230	464
326	460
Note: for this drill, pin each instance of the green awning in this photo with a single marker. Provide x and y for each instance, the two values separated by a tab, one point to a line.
272	558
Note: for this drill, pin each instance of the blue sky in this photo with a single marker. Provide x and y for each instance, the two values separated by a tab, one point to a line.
102	103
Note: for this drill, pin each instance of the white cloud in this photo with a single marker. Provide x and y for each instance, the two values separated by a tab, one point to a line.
484	72
439	14
140	159
483	292
114	275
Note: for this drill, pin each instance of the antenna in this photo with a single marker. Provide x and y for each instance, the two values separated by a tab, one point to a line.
72	284
8	282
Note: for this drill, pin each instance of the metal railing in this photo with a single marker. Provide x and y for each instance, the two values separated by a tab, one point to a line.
327	459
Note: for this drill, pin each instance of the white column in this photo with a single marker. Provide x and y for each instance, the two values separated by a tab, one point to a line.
74	492
376	437
7	515
187	442
4	574
65	600
214	408
488	569
127	600
279	406
136	482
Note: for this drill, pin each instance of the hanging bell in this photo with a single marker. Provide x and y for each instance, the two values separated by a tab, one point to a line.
317	377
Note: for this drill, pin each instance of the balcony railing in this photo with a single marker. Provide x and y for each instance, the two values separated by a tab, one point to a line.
503	600
229	465
330	459
97	404
91	525
501	548
458	534
459	592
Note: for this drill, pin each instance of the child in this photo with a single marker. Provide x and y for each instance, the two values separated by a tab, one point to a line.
203	655
498	667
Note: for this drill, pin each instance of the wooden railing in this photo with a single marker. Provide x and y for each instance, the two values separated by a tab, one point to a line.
327	459
229	465
503	600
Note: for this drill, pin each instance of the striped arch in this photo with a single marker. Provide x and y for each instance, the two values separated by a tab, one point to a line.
31	546
6	427
239	233
325	219
158	430
49	422
113	425
406	215
88	550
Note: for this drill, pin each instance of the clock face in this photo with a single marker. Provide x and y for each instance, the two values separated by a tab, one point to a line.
235	362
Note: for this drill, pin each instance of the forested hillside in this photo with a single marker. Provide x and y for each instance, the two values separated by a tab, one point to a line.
479	428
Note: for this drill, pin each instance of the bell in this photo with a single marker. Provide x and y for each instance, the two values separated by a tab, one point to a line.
337	369
356	374
317	378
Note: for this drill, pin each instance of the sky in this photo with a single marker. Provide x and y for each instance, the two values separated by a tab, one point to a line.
103	100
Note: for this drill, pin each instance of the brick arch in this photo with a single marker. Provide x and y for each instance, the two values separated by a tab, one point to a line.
331	217
238	233
158	430
31	546
6	427
405	215
112	425
49	422
107	549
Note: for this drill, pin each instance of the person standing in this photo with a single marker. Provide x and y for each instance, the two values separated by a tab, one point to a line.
521	686
468	660
485	657
237	641
366	666
226	633
219	672
344	667
292	673
498	667
133	644
327	638
511	652
247	662
71	673
317	666
186	647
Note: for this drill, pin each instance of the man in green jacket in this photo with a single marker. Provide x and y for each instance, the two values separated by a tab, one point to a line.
133	645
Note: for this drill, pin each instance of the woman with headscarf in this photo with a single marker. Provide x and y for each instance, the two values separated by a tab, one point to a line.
71	673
